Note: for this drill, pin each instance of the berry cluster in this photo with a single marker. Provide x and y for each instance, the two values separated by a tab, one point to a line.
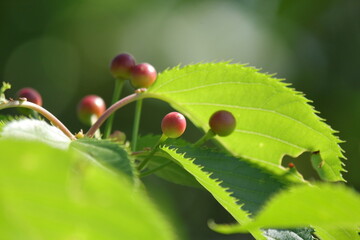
141	75
92	110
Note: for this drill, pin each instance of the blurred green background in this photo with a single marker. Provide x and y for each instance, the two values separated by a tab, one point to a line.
63	49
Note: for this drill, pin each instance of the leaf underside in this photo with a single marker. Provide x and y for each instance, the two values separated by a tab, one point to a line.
273	120
172	172
332	210
107	153
249	184
241	188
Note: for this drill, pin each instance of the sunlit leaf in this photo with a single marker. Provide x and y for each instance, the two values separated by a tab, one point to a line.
35	130
47	193
330	233
273	120
332	210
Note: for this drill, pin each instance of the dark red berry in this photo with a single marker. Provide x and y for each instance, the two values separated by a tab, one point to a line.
173	125
222	123
121	65
31	95
143	75
90	106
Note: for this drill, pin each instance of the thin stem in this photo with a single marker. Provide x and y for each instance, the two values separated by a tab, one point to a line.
126	100
204	138
26	104
144	174
153	151
93	120
119	83
136	124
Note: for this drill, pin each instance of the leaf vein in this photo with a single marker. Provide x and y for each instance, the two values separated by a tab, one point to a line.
259	109
173	79
215	84
271	137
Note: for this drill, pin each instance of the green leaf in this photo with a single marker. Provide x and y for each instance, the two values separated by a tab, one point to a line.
173	172
5	86
108	153
35	130
47	193
326	233
272	119
328	208
241	188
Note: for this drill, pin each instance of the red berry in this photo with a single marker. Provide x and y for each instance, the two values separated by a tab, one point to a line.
143	75
173	125
291	165
31	95
222	123
120	66
88	106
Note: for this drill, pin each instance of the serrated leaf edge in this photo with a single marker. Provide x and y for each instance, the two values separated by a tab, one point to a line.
332	138
242	216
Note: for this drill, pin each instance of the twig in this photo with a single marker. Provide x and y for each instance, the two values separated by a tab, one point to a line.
45	113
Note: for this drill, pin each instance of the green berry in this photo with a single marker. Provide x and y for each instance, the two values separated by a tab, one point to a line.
222	123
143	75
89	107
121	65
173	125
31	95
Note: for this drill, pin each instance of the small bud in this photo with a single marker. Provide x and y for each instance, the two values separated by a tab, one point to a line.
222	123
140	90
88	106
121	65
143	75
80	134
173	125
118	136
30	95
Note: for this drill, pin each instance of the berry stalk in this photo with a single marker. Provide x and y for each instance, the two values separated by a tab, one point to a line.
136	124
210	134
93	120
122	102
116	96
45	113
153	151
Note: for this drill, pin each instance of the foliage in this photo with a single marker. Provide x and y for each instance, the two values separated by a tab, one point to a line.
263	107
91	187
48	193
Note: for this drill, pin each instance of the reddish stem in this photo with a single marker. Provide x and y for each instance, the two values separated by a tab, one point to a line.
122	102
26	104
